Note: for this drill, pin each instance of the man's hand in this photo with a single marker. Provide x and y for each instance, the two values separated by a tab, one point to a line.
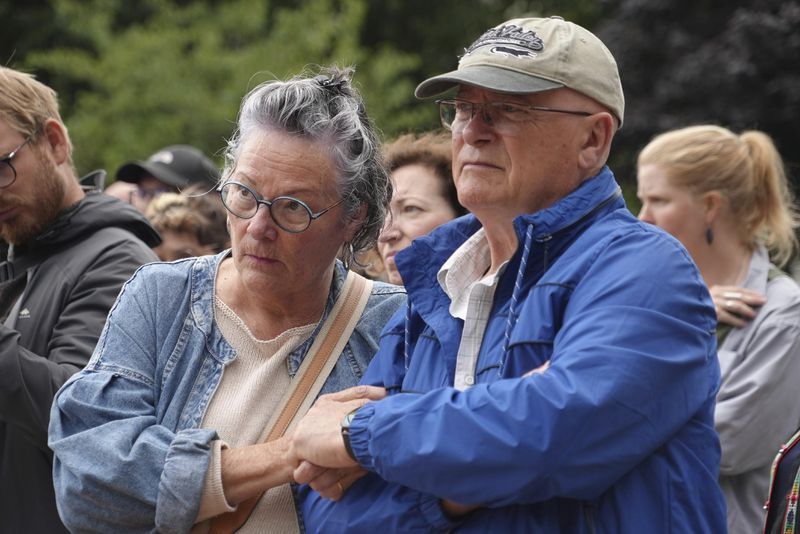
318	436
454	510
329	483
539	370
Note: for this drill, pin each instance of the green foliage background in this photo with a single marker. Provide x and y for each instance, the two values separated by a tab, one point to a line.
134	76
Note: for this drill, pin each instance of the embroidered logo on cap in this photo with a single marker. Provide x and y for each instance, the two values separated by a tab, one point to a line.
509	40
165	156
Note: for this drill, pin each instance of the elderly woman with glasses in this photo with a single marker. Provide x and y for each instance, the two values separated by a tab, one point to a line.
165	429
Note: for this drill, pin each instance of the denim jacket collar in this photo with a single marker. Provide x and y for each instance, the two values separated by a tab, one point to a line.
203	309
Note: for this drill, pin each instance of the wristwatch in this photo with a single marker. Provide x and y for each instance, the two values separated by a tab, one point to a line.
345	424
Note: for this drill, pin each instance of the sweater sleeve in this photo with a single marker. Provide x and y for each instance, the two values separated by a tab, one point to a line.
213	501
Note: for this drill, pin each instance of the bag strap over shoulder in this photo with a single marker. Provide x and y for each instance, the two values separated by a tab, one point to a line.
324	353
308	382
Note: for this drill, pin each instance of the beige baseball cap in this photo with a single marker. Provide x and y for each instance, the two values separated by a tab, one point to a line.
531	55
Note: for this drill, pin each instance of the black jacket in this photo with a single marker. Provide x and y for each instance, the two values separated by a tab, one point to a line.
79	266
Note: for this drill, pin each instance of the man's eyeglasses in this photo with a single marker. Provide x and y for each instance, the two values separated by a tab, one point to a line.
8	174
289	213
502	116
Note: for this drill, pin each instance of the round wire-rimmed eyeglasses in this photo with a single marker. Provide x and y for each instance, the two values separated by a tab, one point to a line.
289	213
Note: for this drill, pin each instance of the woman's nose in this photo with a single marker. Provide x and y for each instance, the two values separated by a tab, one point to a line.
390	230
262	226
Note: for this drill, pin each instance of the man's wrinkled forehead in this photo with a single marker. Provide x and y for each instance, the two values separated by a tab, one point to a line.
474	93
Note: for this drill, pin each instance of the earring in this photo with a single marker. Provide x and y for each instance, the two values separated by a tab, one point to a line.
350	256
709	235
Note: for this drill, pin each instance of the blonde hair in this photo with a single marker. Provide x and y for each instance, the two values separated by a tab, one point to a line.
26	104
746	169
192	213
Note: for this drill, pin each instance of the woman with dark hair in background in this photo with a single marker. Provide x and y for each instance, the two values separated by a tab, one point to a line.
424	193
726	198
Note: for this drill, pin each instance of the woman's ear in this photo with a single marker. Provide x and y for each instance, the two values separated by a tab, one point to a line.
711	203
355	223
596	142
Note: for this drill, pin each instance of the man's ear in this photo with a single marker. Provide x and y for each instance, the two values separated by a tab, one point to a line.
55	135
596	141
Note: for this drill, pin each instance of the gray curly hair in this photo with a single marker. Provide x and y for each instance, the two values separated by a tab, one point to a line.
325	107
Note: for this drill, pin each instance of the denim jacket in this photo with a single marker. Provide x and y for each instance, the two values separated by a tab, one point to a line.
129	456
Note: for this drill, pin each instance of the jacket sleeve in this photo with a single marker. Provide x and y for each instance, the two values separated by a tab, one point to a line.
116	469
757	404
28	381
632	364
374	505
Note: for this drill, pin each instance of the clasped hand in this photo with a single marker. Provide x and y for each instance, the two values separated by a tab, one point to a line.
317	449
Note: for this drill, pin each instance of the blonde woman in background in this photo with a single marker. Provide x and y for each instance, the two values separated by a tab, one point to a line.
191	223
726	198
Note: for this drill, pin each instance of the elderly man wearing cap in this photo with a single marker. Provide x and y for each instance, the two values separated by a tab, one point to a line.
555	370
169	170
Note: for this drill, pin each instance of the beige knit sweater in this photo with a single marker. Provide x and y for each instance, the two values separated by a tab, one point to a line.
250	391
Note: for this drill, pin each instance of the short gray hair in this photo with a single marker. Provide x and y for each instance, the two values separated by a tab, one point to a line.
326	108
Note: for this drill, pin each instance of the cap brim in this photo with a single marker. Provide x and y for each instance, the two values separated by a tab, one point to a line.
132	172
485	77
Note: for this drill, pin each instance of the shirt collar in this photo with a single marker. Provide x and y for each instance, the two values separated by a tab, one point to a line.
466	266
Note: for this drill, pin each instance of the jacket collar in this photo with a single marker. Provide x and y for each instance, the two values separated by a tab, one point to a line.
420	263
440	244
758	271
90	214
571	209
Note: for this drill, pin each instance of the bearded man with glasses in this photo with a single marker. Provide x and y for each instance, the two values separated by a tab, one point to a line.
556	369
69	253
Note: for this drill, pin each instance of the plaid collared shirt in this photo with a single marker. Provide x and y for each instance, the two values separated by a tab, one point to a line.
463	278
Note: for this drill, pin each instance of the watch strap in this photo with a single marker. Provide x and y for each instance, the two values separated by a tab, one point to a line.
346	434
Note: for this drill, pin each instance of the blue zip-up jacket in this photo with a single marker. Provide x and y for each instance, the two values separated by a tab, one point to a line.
129	454
616	436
